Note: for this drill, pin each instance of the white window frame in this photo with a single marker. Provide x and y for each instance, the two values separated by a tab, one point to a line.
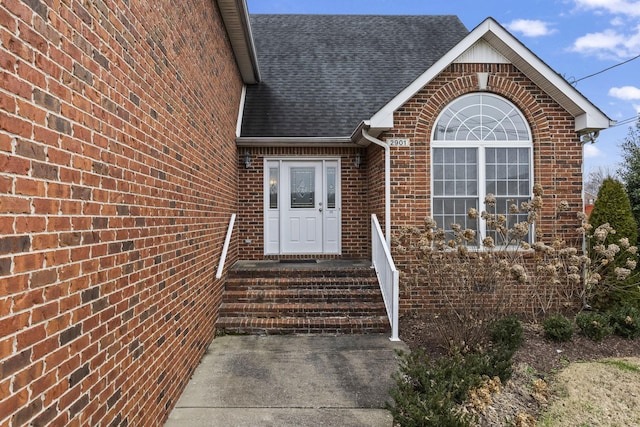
481	147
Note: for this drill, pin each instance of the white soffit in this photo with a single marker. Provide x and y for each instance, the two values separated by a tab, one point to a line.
236	21
491	40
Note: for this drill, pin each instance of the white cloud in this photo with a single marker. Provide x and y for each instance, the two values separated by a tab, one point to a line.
626	93
623	7
637	108
609	44
591	151
530	28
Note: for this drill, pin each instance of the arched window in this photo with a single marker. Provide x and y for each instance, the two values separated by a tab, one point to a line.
481	145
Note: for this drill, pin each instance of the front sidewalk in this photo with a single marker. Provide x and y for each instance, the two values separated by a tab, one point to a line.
291	380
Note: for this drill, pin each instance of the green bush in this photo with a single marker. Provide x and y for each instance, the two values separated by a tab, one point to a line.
427	392
626	321
507	333
613	207
558	328
594	325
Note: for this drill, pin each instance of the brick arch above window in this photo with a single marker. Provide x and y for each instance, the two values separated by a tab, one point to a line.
443	92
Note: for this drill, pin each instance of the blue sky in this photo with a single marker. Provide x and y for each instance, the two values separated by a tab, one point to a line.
575	37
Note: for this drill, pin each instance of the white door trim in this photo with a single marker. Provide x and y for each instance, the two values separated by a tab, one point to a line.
276	170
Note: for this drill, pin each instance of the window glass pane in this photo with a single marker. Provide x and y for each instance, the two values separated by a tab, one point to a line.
438	172
331	188
481	117
454	211
438	188
303	187
502	207
273	188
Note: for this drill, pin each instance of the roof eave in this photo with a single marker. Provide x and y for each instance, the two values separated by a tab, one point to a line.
235	16
588	117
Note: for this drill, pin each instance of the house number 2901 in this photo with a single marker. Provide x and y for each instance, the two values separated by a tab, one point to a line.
398	142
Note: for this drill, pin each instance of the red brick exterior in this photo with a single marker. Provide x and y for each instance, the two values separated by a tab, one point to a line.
117	181
557	154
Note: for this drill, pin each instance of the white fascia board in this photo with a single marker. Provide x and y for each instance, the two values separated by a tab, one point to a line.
235	16
494	34
243	97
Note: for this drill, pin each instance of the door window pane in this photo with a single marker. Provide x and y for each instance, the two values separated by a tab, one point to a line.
331	188
302	187
273	188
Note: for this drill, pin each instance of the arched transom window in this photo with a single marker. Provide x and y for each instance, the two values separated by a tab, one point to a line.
481	145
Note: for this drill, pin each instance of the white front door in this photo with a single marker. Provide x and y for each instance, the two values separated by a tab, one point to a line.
302	211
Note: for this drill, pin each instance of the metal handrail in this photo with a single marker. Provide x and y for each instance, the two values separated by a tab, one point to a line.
225	248
388	276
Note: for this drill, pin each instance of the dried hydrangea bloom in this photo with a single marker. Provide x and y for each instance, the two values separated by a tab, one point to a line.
624	243
582	216
538	190
490	199
488	242
631	264
430	223
622	273
473	213
513	209
469	235
632	250
521	229
574	278
563	206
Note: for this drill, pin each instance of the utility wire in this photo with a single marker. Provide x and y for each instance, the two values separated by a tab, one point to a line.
606	69
625	121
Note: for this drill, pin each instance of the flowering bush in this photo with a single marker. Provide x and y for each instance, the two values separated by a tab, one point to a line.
513	268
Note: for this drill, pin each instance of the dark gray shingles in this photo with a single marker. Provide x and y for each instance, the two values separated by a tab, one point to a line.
323	74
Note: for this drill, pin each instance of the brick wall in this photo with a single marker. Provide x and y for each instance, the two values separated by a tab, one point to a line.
557	157
117	180
356	240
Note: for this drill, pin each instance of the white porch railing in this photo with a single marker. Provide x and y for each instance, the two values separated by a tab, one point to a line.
387	275
225	248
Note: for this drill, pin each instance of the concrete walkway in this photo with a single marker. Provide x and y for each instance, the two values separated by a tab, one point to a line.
300	380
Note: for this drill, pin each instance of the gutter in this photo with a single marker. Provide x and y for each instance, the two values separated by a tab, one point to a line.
387	182
290	141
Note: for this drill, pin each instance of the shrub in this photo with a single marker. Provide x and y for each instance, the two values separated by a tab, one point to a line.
427	392
558	328
626	321
507	333
612	211
594	325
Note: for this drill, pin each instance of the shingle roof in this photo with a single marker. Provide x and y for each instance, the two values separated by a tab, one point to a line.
323	74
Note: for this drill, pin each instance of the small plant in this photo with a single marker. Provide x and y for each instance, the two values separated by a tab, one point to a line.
626	322
594	325
427	392
507	333
558	328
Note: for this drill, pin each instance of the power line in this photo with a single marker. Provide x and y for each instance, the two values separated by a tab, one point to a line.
625	121
604	70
